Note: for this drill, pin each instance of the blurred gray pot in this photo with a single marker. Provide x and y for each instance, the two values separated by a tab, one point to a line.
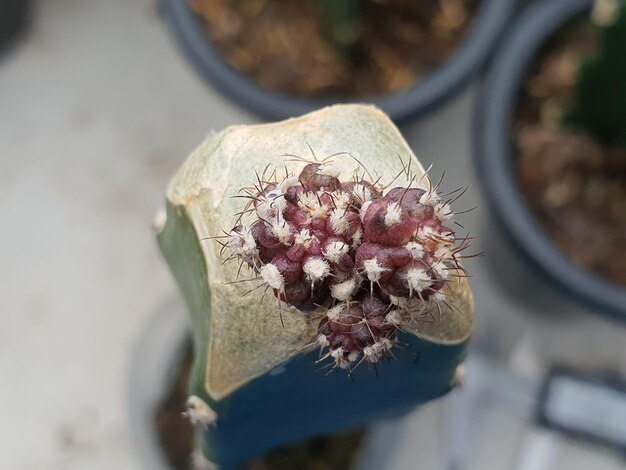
14	20
441	85
495	164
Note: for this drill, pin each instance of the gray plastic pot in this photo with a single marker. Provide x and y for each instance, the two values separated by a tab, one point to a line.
441	85
495	162
153	367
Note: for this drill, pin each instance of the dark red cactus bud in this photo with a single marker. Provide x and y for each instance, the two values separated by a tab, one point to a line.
326	198
366	257
266	253
373	306
399	256
316	269
345	264
301	219
265	236
357	329
410	281
319	225
409	197
308	172
296	252
376	311
361	191
297	294
335	248
374	262
313	180
292	195
290	270
291	212
388	223
315	247
343	222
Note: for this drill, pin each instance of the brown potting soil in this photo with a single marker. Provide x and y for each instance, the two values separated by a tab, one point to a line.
286	45
575	185
176	438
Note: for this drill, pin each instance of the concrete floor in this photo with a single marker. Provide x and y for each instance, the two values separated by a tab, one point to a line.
97	110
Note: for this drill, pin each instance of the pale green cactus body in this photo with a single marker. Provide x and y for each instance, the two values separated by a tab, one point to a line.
243	397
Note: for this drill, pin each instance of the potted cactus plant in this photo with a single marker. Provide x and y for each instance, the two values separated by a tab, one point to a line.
550	145
323	276
284	58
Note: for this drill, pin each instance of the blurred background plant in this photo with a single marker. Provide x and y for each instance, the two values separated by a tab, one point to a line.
599	103
569	130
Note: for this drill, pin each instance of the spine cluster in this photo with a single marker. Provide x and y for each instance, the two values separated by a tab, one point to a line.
372	260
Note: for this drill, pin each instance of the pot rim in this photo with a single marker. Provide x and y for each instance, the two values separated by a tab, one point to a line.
442	84
493	158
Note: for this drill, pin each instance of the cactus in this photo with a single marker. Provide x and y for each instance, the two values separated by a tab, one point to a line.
599	104
332	237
